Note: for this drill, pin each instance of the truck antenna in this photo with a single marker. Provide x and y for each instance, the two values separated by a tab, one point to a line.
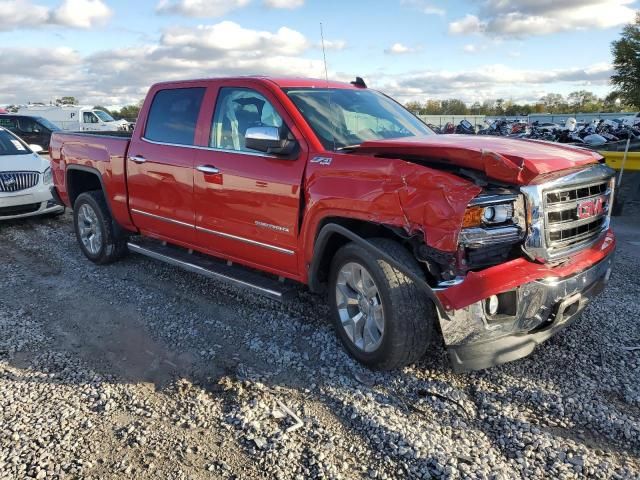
326	77
324	56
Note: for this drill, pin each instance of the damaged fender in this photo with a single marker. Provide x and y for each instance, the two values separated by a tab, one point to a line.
394	193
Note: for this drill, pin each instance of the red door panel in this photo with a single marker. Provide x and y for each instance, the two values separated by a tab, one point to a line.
249	210
161	190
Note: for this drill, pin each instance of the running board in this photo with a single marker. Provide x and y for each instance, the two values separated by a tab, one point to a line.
232	274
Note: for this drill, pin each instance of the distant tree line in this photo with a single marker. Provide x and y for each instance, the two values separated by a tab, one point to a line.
579	101
128	112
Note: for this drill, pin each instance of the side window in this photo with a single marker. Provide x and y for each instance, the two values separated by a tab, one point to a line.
27	125
173	115
236	110
8	123
88	117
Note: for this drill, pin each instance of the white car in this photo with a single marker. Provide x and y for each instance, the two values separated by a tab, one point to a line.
25	180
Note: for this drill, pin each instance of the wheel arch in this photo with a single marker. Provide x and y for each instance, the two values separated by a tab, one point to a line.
81	179
333	233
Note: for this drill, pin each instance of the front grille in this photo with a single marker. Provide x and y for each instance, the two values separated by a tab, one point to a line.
575	214
568	213
17	181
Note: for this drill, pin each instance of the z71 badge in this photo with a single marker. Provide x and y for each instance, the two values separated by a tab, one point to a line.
322	160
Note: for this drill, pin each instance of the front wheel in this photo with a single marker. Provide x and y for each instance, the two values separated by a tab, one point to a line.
381	317
100	240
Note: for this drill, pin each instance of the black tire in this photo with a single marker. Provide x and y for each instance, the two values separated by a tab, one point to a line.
113	244
409	316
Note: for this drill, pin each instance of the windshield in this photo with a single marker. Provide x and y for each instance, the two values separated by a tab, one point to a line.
344	117
47	124
104	116
10	145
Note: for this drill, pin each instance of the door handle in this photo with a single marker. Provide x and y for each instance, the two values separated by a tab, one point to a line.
137	159
208	169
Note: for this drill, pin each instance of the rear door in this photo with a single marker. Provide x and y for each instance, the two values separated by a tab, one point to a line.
160	165
247	202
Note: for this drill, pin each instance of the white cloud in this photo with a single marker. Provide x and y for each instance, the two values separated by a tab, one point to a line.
523	18
399	49
229	36
122	76
81	13
470	48
288	4
200	8
466	25
495	81
15	14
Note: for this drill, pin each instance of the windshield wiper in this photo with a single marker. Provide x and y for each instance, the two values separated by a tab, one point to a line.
348	147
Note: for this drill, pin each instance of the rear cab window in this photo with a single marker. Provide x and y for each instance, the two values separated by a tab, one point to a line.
173	115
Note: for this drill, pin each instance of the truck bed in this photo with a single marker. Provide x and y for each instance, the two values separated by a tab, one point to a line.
102	153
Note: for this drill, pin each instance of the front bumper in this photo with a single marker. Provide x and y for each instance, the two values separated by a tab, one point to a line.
537	309
27	203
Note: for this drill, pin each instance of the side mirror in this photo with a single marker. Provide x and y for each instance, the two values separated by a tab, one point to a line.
270	140
36	148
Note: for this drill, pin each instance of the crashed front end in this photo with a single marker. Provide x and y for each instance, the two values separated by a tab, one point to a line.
529	260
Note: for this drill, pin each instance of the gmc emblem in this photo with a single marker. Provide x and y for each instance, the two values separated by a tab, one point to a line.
590	208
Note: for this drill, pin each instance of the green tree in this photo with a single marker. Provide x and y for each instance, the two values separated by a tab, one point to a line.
414	107
626	63
66	101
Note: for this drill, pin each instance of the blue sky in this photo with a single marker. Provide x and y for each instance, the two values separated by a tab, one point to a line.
109	52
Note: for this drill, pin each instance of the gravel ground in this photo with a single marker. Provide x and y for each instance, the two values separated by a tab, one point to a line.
140	370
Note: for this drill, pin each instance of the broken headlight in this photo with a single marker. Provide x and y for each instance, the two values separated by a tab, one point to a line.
493	220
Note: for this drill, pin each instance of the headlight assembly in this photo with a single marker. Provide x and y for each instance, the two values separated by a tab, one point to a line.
47	177
490	211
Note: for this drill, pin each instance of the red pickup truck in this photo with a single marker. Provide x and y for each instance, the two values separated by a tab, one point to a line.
492	244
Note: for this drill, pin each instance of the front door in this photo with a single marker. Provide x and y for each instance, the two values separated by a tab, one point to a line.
248	202
160	166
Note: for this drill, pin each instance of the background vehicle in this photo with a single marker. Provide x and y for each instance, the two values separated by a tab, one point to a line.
76	118
501	241
25	180
33	130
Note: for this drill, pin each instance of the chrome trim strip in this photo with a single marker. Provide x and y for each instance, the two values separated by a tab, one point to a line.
246	240
478	237
493	199
164	219
210	149
202	271
215	232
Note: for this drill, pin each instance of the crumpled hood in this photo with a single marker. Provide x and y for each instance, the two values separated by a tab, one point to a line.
29	162
507	160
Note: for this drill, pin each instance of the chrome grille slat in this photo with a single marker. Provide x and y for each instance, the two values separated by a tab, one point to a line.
561	233
559	207
565	214
17	181
559	226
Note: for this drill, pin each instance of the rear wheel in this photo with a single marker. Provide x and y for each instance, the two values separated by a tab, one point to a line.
380	315
99	238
